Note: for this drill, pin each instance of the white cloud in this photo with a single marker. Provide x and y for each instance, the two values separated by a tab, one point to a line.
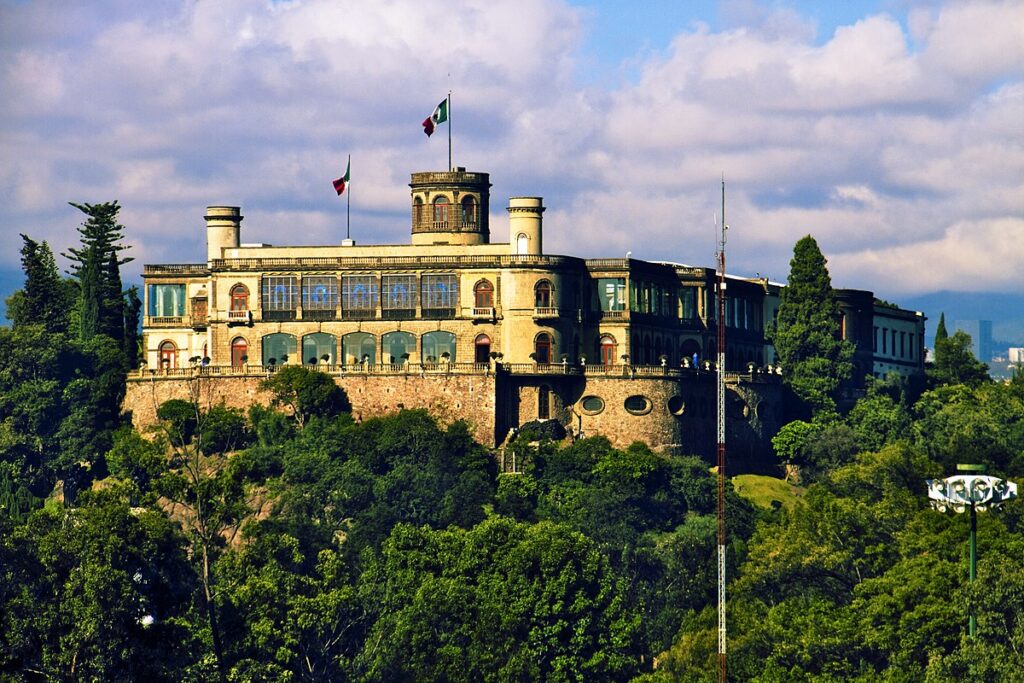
877	141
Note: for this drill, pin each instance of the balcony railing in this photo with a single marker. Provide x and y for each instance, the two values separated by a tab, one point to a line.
484	312
239	316
175	320
176	269
386	262
545	312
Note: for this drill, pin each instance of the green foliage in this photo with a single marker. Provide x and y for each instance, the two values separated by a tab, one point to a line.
537	430
96	265
77	585
955	362
814	359
45	299
306	393
941	334
503	601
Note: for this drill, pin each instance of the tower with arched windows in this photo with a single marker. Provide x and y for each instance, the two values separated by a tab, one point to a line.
450	207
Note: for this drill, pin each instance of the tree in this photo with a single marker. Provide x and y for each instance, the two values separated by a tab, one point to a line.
96	265
955	363
814	359
305	393
940	331
46	299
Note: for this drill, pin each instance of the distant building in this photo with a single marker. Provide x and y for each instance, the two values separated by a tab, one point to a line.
981	337
1015	355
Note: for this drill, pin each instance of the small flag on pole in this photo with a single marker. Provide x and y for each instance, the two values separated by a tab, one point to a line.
439	116
341	183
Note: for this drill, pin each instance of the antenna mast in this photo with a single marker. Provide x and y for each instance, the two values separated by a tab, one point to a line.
721	443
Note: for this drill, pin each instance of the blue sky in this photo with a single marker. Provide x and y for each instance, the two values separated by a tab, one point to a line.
893	131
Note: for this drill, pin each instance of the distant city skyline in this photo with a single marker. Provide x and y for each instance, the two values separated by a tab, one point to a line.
892	131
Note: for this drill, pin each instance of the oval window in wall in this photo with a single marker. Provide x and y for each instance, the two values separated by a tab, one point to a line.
591	405
637	405
676	405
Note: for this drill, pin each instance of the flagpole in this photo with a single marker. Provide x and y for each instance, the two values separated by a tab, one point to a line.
449	130
348	202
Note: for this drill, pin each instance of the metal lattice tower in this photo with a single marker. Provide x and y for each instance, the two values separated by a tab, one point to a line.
721	444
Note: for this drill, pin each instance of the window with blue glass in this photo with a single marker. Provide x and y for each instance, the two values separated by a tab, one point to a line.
398	296
279	297
319	296
358	296
439	295
166	301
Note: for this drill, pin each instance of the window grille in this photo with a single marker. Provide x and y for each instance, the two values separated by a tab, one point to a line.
358	296
398	296
439	295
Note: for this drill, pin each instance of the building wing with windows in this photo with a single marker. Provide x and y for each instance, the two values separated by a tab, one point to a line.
452	296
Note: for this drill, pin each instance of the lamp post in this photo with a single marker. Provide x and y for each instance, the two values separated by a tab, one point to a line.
975	492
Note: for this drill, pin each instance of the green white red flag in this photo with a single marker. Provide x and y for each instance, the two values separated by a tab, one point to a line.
439	116
341	183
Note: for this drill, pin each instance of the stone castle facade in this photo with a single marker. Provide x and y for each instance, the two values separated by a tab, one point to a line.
497	333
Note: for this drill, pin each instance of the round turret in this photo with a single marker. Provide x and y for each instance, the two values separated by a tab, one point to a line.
223	230
450	207
525	229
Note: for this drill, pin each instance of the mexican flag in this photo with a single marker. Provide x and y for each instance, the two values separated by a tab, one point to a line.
341	183
439	116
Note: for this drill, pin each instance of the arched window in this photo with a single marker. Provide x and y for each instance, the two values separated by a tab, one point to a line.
397	347
168	354
239	298
319	347
239	352
542	348
436	345
357	347
280	347
544	402
483	295
469	217
542	295
608	349
522	243
441	206
482	349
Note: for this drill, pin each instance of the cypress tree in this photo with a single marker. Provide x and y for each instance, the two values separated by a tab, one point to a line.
132	314
807	338
44	300
940	332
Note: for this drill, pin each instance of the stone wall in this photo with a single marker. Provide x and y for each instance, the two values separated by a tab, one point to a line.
674	415
446	397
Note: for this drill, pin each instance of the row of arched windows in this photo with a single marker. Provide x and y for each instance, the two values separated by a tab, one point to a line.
441	212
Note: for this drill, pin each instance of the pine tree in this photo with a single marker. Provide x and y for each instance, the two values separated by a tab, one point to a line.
96	265
807	339
44	299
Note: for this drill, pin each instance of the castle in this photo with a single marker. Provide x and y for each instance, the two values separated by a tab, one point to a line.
497	333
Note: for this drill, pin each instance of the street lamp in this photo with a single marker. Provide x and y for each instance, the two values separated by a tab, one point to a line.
975	492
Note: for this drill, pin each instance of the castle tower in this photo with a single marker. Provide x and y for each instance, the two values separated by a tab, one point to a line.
525	229
223	230
450	207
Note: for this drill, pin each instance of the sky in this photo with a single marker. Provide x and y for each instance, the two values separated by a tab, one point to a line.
892	130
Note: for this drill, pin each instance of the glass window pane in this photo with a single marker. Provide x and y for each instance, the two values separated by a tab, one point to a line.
278	347
436	344
319	347
439	295
358	296
398	296
279	293
319	293
166	300
357	347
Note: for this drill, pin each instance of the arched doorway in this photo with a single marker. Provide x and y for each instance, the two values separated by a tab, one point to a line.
542	347
607	350
168	355
482	349
239	352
